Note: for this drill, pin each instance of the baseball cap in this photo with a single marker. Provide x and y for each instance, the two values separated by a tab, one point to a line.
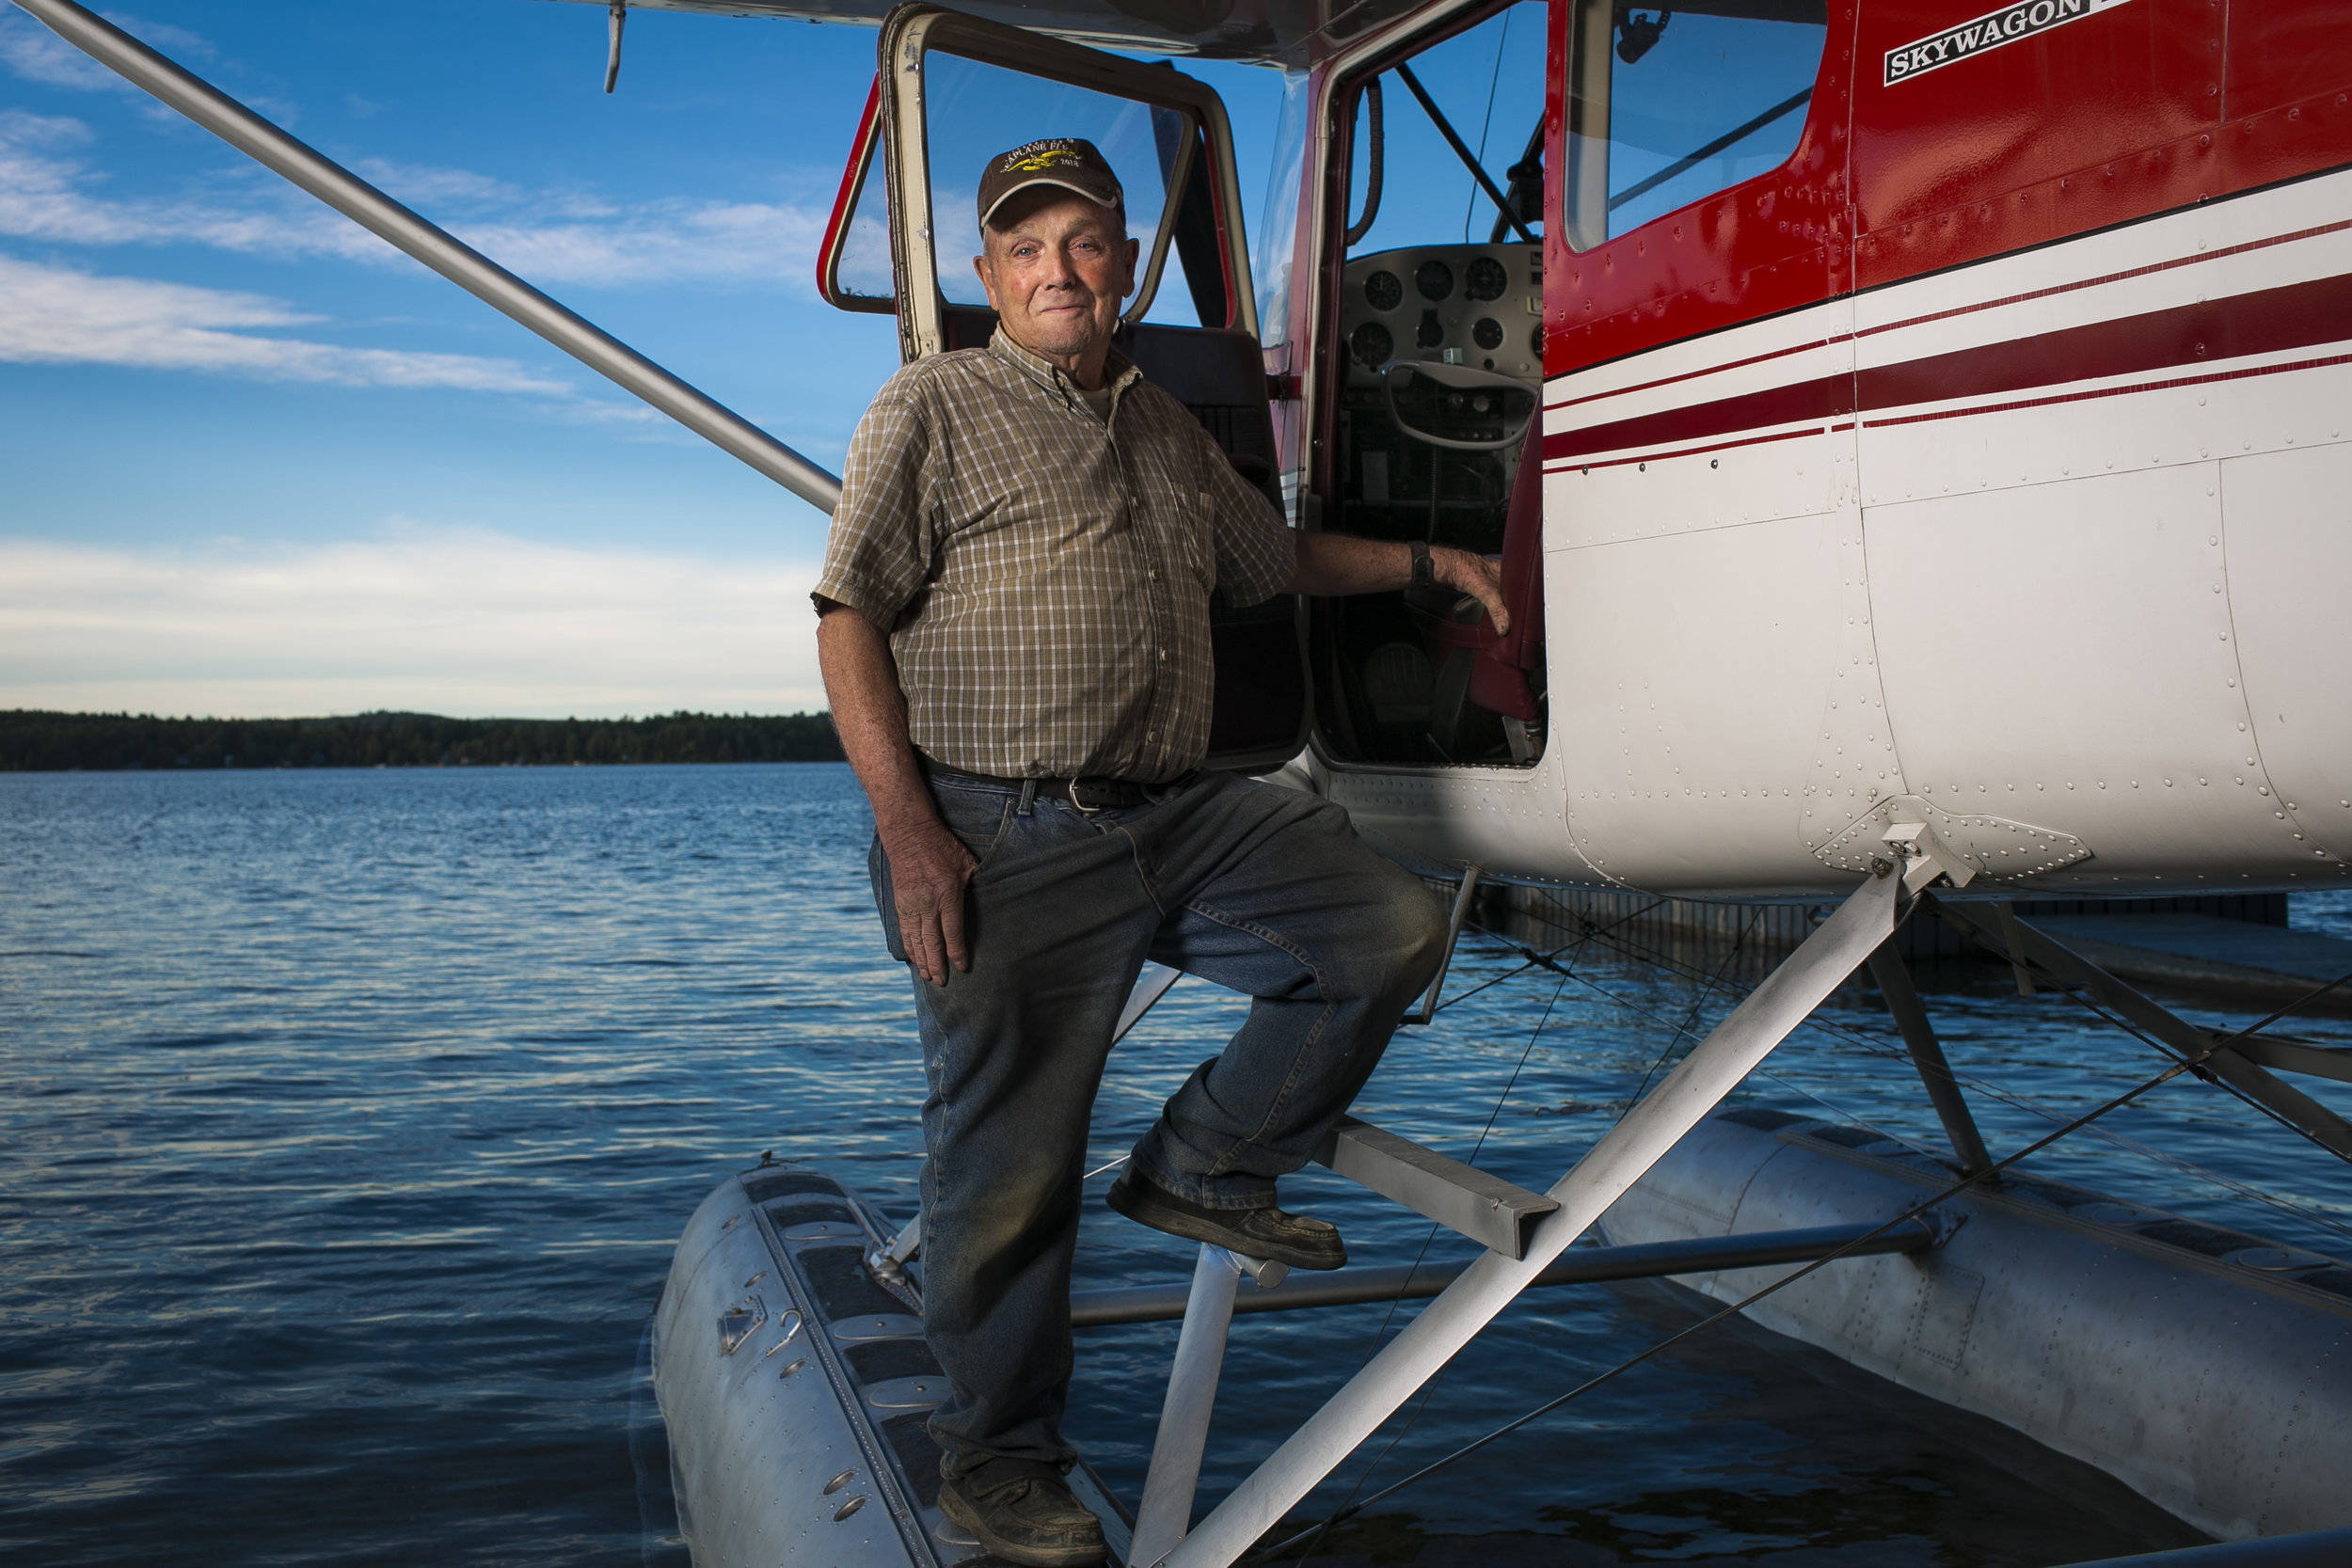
1071	162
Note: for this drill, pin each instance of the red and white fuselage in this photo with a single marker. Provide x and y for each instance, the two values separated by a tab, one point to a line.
1985	464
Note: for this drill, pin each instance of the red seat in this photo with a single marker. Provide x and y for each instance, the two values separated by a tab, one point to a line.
1502	662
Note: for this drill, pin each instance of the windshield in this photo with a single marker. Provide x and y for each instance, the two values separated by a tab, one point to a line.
1278	224
972	110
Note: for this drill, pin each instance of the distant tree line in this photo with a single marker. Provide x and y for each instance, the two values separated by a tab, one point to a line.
35	742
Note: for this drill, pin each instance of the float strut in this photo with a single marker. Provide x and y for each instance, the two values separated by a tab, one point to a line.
2029	944
1927	1055
1175	1475
1453	934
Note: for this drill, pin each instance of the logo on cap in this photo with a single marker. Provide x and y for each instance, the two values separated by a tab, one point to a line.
1071	162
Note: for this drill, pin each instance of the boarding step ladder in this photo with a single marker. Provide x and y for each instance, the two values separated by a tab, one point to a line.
1521	1231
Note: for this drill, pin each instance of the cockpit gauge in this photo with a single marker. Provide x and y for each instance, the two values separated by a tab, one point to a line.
1485	278
1473	305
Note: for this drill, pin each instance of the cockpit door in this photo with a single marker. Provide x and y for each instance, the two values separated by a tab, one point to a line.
950	91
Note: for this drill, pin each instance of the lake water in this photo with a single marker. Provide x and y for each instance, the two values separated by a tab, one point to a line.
347	1119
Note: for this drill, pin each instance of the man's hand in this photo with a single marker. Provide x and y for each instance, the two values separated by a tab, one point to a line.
929	870
1474	575
1332	565
929	865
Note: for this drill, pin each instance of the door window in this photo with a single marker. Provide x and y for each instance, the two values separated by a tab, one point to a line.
1667	106
853	260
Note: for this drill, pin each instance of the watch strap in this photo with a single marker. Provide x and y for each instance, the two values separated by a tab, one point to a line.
1425	570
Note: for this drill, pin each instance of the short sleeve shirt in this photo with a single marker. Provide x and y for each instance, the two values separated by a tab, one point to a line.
1043	573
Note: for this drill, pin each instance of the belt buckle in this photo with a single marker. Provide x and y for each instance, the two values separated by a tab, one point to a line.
1083	810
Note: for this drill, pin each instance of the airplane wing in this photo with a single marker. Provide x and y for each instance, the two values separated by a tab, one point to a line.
1266	32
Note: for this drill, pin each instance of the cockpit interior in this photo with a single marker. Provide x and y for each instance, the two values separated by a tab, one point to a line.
1435	375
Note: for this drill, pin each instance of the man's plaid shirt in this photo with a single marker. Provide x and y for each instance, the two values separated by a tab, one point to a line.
1043	575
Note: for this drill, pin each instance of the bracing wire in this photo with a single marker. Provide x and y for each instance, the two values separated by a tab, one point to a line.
2074	994
1682	1030
1657	959
1567	973
2184	1063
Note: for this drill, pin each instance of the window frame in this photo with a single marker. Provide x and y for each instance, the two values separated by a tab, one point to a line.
1580	50
912	33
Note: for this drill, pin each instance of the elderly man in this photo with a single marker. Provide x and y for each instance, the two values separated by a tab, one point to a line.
1014	632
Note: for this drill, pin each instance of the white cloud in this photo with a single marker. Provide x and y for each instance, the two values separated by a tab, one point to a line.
51	316
42	199
31	51
428	618
549	237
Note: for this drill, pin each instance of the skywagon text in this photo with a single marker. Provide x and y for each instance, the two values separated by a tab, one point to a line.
1989	31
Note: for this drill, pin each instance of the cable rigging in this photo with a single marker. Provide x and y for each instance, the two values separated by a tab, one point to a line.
2185	1064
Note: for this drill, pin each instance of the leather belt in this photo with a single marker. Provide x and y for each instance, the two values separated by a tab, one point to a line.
1086	794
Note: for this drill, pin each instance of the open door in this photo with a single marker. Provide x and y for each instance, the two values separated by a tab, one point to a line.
952	89
1431	339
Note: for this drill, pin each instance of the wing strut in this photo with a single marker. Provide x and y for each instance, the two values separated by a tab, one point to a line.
471	271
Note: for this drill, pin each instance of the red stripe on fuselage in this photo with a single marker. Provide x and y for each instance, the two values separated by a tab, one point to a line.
2163	385
1968	309
1700	451
2152	267
1822	399
2268	320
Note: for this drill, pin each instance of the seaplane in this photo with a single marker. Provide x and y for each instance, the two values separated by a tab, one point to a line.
1913	438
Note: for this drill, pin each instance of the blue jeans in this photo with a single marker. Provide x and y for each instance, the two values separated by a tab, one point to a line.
1260	889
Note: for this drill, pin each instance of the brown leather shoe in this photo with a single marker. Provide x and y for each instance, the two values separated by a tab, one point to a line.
1267	1232
1030	1519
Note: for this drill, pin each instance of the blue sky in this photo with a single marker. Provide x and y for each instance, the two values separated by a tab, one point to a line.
253	461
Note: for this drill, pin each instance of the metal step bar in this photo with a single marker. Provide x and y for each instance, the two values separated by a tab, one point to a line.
1486	1208
1147	1304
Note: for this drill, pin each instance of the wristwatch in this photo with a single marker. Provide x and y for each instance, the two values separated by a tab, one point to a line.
1424	571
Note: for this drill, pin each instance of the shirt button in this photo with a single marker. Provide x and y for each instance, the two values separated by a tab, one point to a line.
1154	574
1162	655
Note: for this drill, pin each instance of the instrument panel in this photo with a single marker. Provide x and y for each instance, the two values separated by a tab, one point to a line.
1479	305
